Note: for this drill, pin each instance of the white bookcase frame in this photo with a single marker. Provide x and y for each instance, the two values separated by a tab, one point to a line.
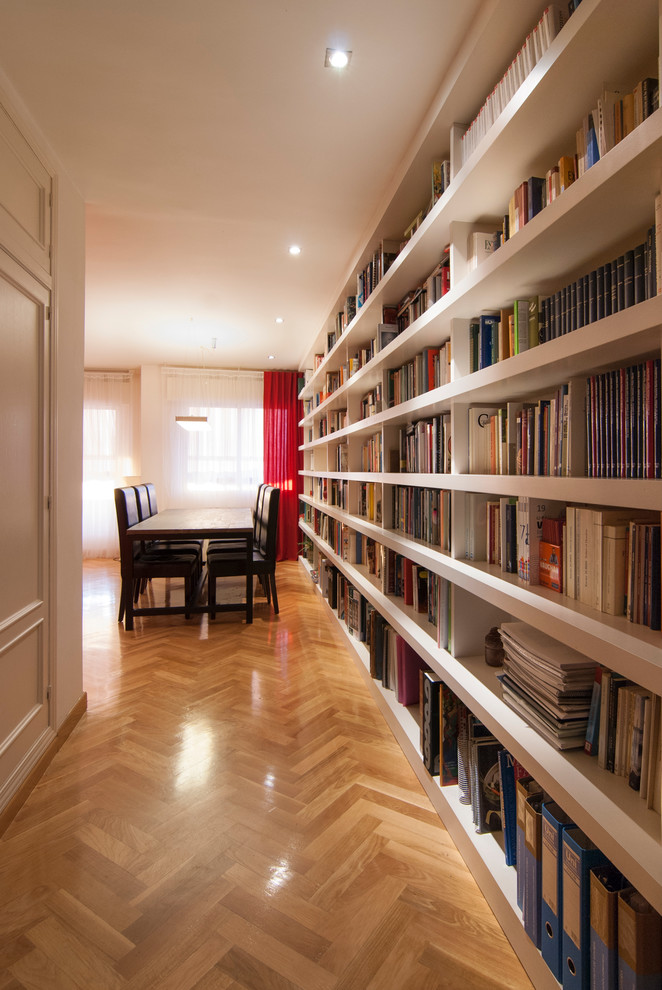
612	204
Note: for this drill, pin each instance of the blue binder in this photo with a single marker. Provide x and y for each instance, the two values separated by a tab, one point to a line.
580	855
523	787
532	867
554	821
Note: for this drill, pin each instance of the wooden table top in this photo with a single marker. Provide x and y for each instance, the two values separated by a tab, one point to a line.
201	523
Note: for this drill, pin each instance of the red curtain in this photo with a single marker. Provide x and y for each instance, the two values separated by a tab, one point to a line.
282	457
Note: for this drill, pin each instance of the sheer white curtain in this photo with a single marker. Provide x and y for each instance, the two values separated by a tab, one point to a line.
107	456
224	464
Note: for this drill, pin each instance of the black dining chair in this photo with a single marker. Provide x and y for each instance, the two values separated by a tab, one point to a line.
231	542
148	563
146	495
230	561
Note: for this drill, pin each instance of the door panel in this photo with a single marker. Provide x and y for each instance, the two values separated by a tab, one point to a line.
24	613
25	194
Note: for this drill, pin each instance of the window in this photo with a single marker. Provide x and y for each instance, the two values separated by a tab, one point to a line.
222	465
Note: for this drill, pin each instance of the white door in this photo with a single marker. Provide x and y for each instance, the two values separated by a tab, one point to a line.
24	529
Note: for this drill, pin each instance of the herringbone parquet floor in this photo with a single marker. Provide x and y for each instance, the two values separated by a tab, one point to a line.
233	813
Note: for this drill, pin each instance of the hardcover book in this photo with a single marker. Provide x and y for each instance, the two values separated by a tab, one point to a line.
606	882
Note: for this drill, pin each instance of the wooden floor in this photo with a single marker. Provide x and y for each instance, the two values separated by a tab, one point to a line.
233	813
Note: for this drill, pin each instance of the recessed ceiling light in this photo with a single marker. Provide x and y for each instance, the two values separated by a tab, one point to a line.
295	249
272	357
335	58
279	319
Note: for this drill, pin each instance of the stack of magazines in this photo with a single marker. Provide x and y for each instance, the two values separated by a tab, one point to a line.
547	683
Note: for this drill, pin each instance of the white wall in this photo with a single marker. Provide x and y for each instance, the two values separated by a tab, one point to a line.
151	429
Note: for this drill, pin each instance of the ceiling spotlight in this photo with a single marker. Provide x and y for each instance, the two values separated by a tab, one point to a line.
295	249
272	357
336	59
279	319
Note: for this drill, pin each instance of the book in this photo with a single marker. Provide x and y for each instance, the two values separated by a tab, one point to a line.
409	664
593	727
480	247
532	889
525	787
510	771
580	855
639	942
530	514
480	438
486	794
605	883
448	735
554	821
431	690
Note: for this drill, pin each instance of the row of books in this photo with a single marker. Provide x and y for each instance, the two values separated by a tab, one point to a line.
338	493
610	288
529	54
612	562
603	426
497	335
623	733
343	319
373	272
424	590
427	370
372	453
618	111
623	426
370	501
425	446
335	419
423	513
421	298
544	437
522	536
372	402
607	559
593	928
617	114
441	178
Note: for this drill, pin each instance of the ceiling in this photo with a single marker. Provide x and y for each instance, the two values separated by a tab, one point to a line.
206	137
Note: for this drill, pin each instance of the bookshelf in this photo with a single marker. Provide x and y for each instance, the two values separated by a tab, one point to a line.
607	210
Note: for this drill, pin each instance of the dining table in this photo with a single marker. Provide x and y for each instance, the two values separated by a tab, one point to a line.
190	524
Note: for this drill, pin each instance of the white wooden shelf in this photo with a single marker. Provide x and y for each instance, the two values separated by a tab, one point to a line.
606	211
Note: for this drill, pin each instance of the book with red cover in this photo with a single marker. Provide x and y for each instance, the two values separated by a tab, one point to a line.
409	665
408	582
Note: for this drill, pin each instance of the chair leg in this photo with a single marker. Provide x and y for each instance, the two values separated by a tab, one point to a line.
211	594
122	602
188	595
274	594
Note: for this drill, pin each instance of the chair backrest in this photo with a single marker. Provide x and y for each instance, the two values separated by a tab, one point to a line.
257	512
126	509
151	494
144	504
268	528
